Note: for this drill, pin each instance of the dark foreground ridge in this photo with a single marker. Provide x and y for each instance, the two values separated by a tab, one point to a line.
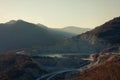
105	67
19	67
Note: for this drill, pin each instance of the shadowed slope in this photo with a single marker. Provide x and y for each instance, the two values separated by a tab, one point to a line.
19	67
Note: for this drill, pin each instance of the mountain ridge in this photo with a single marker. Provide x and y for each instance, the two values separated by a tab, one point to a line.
74	30
93	41
18	34
103	36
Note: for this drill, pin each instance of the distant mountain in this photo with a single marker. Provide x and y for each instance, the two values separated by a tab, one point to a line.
19	67
73	30
42	26
93	41
21	34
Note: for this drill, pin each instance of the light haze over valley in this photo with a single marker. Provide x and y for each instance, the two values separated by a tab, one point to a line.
59	40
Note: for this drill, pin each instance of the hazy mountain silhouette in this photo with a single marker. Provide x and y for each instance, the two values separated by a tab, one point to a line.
73	30
21	34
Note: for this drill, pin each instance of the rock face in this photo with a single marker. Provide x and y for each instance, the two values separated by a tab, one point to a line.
111	50
106	66
19	67
108	70
104	36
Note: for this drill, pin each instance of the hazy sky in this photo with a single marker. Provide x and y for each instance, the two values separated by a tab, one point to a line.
60	13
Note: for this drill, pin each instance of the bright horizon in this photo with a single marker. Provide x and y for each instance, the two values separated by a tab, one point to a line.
60	13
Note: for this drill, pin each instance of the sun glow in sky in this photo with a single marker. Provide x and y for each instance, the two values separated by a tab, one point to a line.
60	13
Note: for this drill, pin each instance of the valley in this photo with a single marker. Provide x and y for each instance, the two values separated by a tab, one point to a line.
31	51
59	39
61	66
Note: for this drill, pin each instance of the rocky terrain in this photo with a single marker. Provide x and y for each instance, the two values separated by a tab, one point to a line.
105	66
105	35
19	67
